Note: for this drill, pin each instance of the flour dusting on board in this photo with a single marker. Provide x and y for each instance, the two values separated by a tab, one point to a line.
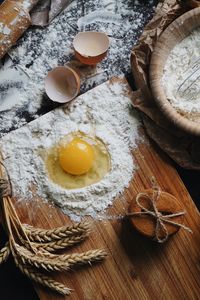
105	112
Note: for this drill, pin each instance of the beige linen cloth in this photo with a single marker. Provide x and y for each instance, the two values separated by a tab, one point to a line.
181	147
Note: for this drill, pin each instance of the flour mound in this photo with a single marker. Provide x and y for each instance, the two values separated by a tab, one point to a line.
105	112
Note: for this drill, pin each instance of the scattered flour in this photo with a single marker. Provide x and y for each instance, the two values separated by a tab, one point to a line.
11	84
6	30
99	16
105	112
181	77
29	4
41	49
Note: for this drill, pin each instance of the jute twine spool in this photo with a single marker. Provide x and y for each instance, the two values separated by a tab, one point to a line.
156	214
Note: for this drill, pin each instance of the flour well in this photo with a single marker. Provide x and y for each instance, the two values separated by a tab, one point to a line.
181	77
104	112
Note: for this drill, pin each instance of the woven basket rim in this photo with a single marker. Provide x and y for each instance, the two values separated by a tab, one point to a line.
173	31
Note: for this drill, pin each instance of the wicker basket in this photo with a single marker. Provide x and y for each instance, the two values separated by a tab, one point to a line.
173	35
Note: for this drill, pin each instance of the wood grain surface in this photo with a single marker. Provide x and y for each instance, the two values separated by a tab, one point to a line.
136	268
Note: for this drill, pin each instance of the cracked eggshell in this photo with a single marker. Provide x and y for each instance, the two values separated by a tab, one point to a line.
62	84
91	47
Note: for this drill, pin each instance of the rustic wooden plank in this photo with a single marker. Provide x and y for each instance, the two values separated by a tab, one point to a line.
136	268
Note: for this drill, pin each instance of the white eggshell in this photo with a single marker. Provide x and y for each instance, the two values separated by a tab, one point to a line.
62	84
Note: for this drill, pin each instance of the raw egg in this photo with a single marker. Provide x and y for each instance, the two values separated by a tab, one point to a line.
78	160
76	157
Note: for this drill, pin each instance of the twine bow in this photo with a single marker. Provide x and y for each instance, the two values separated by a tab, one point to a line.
160	218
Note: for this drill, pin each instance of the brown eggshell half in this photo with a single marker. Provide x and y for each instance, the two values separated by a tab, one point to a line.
145	224
91	47
62	84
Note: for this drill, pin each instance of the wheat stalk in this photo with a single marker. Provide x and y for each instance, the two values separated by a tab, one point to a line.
48	235
42	279
4	253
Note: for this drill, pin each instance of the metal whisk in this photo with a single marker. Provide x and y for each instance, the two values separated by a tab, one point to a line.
192	76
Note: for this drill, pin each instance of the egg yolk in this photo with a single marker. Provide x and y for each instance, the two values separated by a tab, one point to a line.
76	157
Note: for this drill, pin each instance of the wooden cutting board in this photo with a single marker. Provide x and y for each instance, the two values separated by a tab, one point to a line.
136	268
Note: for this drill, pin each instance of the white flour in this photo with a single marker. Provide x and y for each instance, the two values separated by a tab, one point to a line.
181	77
106	112
41	49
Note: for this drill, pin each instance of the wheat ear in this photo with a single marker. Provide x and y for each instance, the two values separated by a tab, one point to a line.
39	260
60	244
56	245
84	258
77	258
4	253
42	279
57	262
43	235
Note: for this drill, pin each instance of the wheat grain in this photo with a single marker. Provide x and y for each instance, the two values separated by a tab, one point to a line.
4	253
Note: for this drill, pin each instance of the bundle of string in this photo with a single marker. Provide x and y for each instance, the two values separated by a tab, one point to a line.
161	232
34	249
